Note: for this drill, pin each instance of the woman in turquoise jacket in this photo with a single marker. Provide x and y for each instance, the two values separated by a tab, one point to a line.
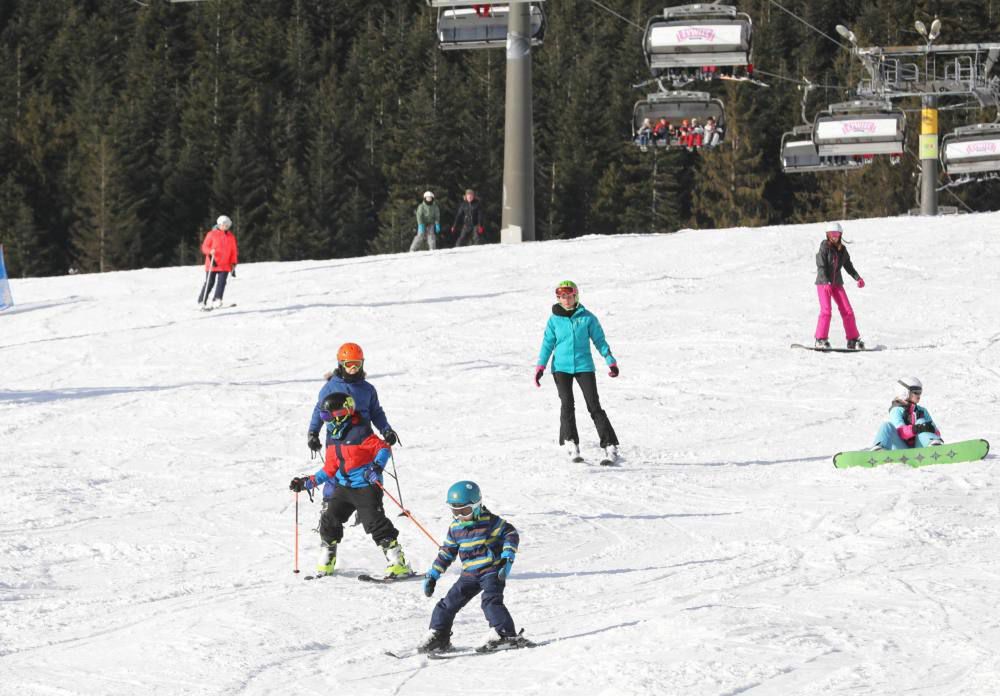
567	339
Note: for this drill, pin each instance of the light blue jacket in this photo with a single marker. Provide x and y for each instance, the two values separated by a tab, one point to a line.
569	338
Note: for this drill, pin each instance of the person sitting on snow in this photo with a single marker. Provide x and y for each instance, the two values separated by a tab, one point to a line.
910	424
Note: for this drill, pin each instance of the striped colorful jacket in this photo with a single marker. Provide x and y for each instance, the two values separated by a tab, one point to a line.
482	545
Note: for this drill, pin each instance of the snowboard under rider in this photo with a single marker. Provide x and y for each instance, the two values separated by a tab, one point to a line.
355	457
568	334
830	259
486	545
910	424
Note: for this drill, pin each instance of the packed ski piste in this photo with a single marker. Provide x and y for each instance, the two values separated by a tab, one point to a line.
352	478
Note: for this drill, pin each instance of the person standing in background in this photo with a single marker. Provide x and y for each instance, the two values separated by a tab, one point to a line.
221	256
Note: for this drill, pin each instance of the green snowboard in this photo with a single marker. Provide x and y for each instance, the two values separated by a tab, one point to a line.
948	453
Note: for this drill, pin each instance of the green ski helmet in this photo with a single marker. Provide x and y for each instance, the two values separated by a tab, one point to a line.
567	287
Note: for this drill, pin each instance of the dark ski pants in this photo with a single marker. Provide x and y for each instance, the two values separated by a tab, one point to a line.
368	502
567	413
462	592
210	278
468	236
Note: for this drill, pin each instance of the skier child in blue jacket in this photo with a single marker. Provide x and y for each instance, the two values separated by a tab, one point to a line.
486	544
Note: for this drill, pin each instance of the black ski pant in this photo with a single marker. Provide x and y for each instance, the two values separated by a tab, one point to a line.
210	278
463	591
567	414
368	502
468	236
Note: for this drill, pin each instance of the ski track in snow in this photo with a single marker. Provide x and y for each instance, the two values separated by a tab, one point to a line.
147	530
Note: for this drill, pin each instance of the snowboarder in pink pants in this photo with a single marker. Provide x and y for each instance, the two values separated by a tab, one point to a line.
830	259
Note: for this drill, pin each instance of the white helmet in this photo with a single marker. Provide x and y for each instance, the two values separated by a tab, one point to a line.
835	227
223	223
907	385
428	194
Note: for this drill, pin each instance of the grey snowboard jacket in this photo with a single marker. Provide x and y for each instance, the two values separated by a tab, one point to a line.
829	261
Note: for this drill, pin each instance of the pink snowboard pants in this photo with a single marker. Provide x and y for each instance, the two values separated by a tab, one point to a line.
839	295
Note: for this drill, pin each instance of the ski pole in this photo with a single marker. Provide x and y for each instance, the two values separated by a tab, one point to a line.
203	295
392	459
296	568
408	514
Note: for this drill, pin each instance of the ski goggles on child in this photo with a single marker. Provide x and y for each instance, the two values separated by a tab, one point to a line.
352	365
336	416
564	291
463	512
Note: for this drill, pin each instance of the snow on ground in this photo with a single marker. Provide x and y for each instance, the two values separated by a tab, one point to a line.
146	527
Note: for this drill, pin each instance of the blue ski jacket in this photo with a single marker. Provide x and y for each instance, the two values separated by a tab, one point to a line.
568	335
365	403
483	545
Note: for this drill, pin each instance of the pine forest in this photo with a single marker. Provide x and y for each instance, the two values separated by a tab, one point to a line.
128	126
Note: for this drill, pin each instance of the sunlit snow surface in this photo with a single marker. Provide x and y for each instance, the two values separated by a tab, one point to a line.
146	527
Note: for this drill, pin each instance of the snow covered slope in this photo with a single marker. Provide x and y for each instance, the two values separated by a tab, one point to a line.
146	527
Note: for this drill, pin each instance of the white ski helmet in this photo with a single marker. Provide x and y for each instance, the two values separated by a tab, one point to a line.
835	228
907	385
223	223
429	194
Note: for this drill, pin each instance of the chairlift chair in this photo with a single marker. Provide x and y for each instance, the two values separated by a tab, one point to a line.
483	25
676	107
972	149
691	36
860	127
799	156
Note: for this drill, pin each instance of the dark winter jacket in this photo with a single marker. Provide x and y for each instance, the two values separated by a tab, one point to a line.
366	402
483	545
829	261
469	215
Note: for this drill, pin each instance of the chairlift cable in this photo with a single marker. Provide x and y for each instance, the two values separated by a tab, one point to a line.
779	6
621	17
792	79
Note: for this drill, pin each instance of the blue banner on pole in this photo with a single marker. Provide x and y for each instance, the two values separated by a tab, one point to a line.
5	298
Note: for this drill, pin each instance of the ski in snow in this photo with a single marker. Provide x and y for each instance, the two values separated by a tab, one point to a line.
389	579
206	308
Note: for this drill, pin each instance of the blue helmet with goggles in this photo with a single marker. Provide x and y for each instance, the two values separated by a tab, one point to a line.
465	500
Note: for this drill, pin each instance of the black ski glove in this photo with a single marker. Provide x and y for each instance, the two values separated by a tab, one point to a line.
298	484
391	438
924	428
314	444
429	583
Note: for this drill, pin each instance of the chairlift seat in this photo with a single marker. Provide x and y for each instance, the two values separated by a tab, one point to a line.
697	35
461	28
859	128
972	149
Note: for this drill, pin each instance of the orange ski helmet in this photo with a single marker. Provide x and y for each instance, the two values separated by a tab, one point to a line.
350	351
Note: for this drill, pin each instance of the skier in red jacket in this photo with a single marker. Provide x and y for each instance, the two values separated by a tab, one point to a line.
221	256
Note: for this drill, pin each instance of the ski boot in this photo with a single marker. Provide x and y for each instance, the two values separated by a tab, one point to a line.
327	558
822	343
573	450
398	567
216	303
436	640
495	642
856	344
